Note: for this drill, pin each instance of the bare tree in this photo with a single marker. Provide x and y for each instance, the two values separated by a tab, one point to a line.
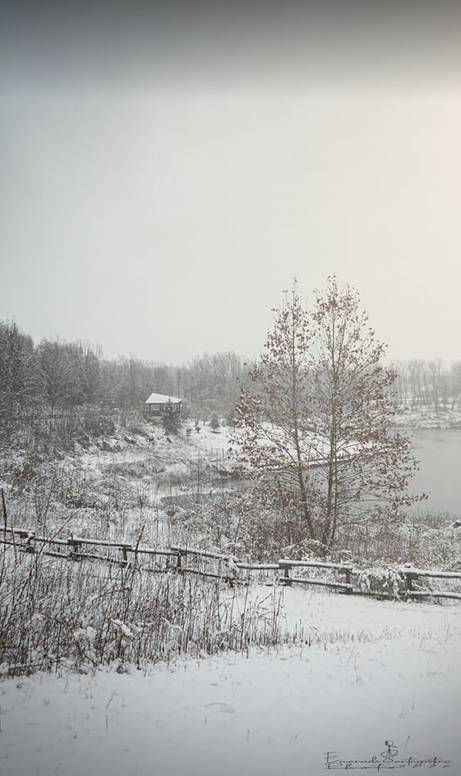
455	383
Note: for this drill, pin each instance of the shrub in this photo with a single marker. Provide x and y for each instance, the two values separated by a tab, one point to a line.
214	422
381	581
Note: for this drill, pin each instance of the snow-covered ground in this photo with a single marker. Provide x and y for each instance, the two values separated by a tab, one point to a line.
375	672
206	446
426	417
216	442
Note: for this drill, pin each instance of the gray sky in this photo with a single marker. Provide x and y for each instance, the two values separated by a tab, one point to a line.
165	173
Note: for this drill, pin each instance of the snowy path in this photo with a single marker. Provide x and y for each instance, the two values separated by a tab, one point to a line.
378	670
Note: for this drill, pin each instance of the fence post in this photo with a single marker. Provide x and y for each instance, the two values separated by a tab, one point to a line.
179	564
124	549
286	574
348	572
409	577
29	546
74	547
5	514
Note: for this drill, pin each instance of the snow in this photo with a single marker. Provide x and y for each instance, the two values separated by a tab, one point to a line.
206	439
425	417
375	671
161	398
362	672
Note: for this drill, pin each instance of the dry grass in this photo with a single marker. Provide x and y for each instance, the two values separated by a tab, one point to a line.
82	614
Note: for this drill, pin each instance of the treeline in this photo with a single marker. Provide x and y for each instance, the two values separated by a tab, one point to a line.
56	375
427	384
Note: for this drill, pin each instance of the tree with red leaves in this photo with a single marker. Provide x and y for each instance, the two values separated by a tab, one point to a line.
316	428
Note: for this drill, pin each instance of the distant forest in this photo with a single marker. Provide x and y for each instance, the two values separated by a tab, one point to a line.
427	384
58	376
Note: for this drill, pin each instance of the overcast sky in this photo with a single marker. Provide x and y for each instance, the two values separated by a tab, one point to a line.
166	172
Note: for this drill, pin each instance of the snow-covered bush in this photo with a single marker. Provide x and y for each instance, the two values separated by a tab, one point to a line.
306	549
384	581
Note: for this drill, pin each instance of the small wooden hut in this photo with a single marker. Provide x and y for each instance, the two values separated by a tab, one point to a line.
158	403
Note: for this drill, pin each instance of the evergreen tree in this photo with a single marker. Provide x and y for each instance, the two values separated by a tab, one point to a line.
171	419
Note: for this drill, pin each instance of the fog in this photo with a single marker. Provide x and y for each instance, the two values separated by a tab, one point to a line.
167	171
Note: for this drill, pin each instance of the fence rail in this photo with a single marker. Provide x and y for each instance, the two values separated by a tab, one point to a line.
74	544
187	560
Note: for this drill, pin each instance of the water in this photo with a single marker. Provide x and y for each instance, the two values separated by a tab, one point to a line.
439	453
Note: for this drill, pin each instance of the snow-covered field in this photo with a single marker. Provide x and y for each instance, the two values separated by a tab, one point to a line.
374	672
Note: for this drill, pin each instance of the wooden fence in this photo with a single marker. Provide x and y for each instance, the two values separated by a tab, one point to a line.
189	560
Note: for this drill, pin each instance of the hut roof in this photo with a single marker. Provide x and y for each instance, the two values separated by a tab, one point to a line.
161	398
